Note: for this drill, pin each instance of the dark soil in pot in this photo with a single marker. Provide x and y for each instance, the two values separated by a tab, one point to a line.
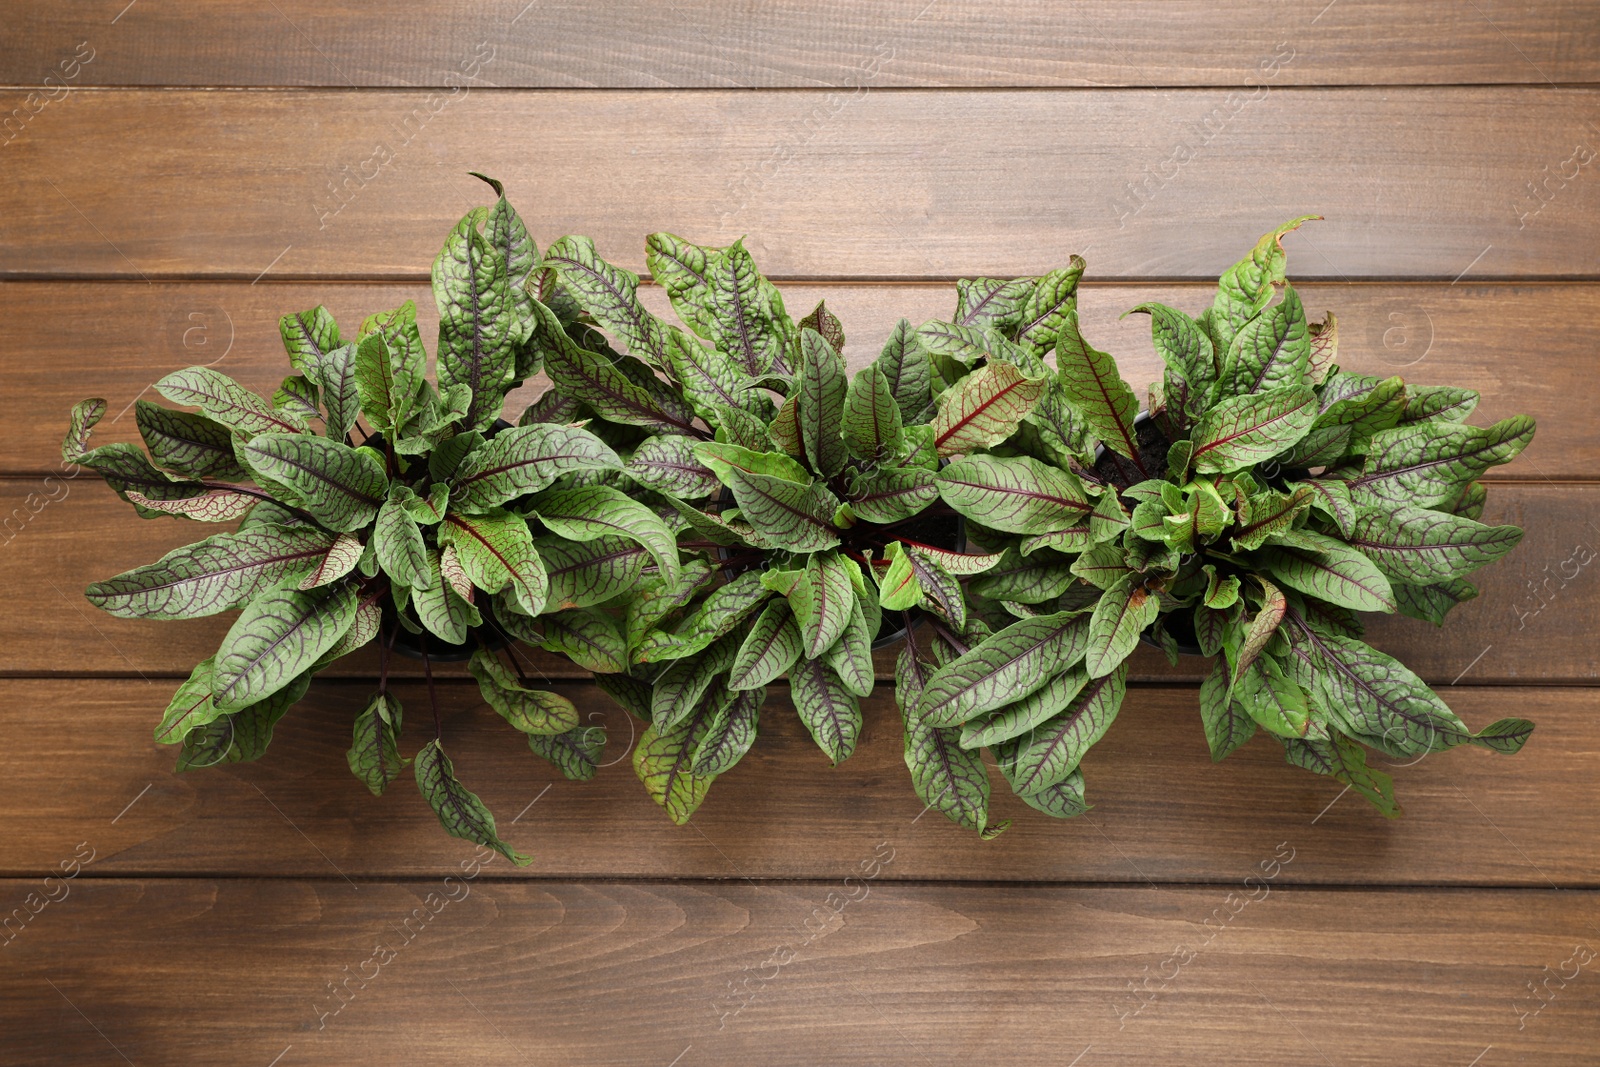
1121	471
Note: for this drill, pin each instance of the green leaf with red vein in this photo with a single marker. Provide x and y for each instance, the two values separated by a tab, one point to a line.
601	511
1426	464
460	811
1422	547
1328	568
341	487
1006	667
221	573
1122	612
609	294
1246	287
1051	751
226	401
275	639
1014	495
984	408
1097	392
496	551
526	459
1245	430
798	517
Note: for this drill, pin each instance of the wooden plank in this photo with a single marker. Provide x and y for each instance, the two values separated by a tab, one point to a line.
79	752
1175	183
1429	333
807	43
57	536
557	973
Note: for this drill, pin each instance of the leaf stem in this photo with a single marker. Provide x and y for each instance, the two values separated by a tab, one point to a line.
433	696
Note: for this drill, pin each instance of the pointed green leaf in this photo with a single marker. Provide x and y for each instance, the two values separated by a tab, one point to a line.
905	370
188	444
710	379
397	541
581	573
681	269
221	573
830	711
191	707
576	753
374	755
822	601
440	608
850	657
984	408
1032	580
496	550
1245	430
341	558
1421	547
591	639
243	735
226	401
1005	667
1246	287
770	648
526	459
308	336
723	611
1020	717
607	390
340	486
722	458
601	511
799	517
664	763
530	711
820	389
1226	724
1123	612
1050	752
890	494
1018	495
668	465
460	811
610	295
872	421
478	328
277	637
1097	392
729	734
1191	366
1342	759
747	319
1426	464
1270	351
1324	567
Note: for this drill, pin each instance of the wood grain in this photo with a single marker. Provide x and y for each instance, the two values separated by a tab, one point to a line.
1516	344
807	43
1532	622
1430	183
1163	811
203	971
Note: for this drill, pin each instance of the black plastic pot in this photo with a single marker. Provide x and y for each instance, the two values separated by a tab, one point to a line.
488	635
1180	626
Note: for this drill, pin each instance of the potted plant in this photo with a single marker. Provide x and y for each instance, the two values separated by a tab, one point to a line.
1263	500
375	506
812	526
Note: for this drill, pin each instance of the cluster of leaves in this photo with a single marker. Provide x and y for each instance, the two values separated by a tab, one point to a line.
808	502
443	523
1266	498
694	511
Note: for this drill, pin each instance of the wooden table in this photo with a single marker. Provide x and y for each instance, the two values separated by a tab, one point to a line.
182	174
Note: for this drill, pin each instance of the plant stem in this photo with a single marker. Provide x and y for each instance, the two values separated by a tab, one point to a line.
383	659
955	642
433	697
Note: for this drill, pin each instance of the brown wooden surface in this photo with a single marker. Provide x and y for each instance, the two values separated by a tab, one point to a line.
1163	812
804	43
895	147
606	973
1428	182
